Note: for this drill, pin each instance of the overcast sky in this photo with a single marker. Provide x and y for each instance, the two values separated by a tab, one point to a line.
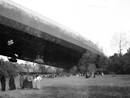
96	20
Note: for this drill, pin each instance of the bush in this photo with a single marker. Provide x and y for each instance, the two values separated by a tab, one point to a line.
7	68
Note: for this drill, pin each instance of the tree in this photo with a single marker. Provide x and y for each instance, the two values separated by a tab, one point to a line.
128	50
8	68
87	57
20	67
59	70
102	62
119	40
82	69
3	70
126	62
50	70
116	64
119	64
92	68
73	70
42	68
27	66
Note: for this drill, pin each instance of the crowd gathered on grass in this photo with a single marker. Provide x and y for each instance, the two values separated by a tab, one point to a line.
28	81
89	65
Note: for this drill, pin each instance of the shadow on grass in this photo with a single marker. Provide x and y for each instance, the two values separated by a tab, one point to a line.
78	92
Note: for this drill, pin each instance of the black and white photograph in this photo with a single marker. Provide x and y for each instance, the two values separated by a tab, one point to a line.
64	48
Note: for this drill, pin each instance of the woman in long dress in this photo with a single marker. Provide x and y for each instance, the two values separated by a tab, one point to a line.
34	82
25	83
12	83
21	79
3	82
38	82
30	85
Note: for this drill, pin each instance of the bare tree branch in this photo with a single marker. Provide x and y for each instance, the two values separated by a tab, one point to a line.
120	41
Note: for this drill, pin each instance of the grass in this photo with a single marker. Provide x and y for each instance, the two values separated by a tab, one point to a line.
77	87
90	92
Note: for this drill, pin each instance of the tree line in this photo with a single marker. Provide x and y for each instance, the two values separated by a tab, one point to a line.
8	68
91	62
118	63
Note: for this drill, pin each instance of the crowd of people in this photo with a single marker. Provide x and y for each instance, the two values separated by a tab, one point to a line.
25	82
33	81
30	82
11	83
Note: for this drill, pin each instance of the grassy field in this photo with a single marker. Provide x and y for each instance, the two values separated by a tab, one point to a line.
77	87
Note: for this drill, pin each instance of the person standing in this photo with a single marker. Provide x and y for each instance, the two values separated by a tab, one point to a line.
21	79
30	83
12	83
3	82
35	82
86	76
25	83
102	74
38	82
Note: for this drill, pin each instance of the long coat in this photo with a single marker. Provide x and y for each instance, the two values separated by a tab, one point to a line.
30	82
25	83
3	82
21	79
12	83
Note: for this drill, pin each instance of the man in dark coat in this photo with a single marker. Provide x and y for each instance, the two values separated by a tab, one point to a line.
12	83
3	82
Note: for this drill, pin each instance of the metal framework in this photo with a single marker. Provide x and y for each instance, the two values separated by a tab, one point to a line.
31	31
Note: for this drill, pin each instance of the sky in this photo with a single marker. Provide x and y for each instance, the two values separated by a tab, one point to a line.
96	20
